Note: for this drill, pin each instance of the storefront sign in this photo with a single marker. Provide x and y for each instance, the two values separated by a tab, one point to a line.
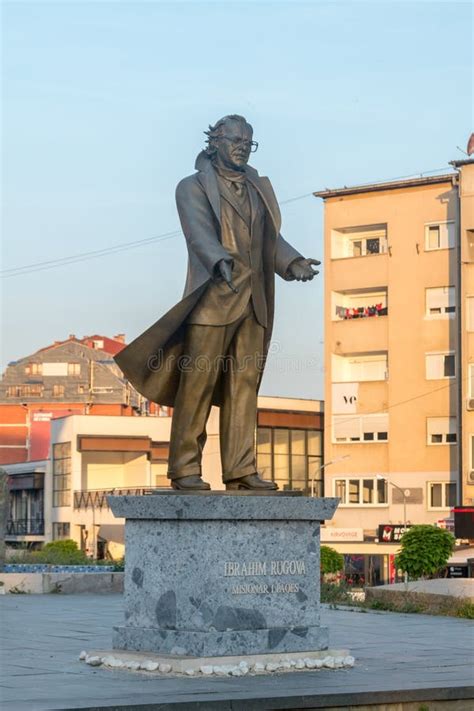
457	571
464	522
391	533
341	535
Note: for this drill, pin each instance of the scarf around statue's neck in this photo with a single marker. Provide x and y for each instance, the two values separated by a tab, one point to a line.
233	176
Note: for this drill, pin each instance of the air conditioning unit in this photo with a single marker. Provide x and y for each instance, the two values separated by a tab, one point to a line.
471	475
470	403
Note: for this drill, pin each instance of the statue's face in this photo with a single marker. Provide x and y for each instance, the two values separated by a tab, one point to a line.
233	147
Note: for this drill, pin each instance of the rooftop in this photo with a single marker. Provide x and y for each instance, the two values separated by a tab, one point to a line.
387	185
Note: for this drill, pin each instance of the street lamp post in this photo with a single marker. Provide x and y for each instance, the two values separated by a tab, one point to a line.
404	493
323	466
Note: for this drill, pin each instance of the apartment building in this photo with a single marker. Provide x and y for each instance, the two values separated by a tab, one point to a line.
399	317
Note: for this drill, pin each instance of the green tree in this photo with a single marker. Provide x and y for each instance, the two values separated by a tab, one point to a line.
331	560
425	550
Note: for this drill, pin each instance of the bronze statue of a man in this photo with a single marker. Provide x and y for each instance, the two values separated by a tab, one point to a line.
210	347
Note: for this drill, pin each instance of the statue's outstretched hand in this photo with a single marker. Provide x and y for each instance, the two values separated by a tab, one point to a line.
301	269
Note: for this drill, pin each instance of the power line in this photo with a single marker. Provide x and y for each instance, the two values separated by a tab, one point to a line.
382	411
125	246
83	256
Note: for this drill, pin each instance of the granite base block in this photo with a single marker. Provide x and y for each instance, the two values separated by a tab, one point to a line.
233	642
221	575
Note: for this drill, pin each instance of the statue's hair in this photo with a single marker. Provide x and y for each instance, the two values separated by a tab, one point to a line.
216	131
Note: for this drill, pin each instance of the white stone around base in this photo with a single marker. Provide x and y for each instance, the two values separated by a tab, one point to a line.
219	666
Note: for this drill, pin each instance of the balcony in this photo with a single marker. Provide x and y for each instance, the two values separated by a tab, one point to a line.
360	241
97	498
25	527
359	304
357	367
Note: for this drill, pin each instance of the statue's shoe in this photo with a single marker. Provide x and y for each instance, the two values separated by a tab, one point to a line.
190	483
253	482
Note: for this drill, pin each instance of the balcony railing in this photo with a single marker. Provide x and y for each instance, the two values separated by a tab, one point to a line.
97	498
25	527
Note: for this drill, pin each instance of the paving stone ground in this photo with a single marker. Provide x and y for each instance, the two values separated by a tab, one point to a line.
42	636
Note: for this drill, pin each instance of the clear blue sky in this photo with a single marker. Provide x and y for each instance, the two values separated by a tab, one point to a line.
104	108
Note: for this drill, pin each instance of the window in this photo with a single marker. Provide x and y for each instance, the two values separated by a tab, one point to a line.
368	491
73	368
440	365
34	369
360	428
470	313
360	241
98	344
56	369
440	302
441	495
470	245
440	235
25	390
81	389
58	390
441	430
61	530
359	368
291	457
62	474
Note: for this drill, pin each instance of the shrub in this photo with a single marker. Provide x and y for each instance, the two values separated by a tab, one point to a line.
466	610
64	552
331	560
118	564
425	550
333	593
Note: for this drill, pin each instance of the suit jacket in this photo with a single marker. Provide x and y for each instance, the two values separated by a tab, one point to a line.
242	232
152	361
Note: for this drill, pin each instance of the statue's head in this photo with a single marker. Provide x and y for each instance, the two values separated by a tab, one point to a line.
229	142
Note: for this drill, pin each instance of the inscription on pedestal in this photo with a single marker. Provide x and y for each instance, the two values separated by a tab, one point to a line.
256	568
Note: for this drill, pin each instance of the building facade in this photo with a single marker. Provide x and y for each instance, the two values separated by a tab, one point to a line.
93	456
398	433
74	376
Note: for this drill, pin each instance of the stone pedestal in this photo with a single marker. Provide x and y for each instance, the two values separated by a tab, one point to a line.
218	574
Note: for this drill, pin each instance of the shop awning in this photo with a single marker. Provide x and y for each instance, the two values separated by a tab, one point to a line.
460	556
113	532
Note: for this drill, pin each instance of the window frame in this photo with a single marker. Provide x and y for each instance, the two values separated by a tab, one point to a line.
361	504
443	354
439	223
469	325
444	485
360	416
443	314
443	435
309	458
61	494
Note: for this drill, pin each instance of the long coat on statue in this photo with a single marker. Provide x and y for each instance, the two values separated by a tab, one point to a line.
152	361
